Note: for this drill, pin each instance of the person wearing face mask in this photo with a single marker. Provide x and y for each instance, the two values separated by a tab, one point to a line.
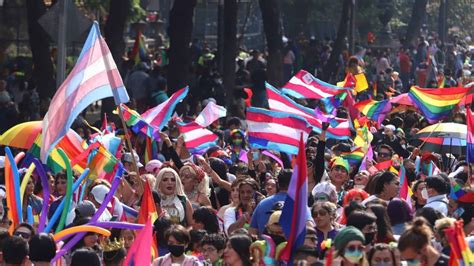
349	247
237	144
177	238
416	248
366	223
420	195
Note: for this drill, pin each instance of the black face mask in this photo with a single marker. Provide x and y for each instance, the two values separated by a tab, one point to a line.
176	250
369	237
277	239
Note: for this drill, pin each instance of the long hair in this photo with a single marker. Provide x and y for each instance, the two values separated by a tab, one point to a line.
179	186
241	244
384	230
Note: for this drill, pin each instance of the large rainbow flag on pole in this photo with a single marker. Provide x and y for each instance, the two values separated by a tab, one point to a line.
374	110
436	104
94	77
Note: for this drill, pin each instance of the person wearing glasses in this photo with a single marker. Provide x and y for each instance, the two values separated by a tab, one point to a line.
25	231
212	248
349	247
324	215
384	153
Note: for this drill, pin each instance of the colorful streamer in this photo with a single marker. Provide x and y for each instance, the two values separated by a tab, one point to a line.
79	229
25	180
68	196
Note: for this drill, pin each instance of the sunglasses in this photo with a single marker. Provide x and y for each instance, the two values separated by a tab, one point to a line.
384	154
320	213
354	248
22	234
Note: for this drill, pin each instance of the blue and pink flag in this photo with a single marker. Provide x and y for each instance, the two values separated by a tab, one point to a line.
196	137
277	131
94	77
295	211
282	103
303	85
159	116
470	136
210	113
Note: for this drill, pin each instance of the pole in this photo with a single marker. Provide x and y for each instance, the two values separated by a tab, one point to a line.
352	27
62	46
127	140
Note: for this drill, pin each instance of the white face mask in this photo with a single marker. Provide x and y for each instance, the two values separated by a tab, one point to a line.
424	193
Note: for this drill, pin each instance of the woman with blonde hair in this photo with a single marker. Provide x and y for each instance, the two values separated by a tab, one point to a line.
173	198
195	185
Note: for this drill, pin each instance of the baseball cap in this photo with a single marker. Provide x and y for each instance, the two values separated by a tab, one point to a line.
85	209
99	192
153	166
127	157
274	218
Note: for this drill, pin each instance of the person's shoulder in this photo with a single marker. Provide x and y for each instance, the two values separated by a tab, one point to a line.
443	260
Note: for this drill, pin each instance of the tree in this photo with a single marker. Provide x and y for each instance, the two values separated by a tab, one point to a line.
43	71
179	32
273	33
330	69
113	32
418	15
230	48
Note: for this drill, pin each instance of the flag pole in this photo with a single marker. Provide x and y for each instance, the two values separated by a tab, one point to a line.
127	139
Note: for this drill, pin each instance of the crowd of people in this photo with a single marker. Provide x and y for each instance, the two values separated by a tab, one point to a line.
224	205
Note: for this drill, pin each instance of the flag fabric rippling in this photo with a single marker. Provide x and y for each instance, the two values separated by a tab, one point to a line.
305	85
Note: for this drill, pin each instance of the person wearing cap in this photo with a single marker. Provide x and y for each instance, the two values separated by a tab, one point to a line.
114	207
153	166
274	229
349	247
391	139
437	190
127	161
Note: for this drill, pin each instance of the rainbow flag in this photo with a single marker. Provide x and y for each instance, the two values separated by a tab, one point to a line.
405	190
461	254
151	150
374	110
147	206
101	162
137	123
470	136
139	51
94	77
355	156
436	104
72	147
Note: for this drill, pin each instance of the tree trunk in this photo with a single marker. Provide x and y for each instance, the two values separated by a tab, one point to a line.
43	71
113	32
179	32
273	33
442	20
230	48
330	69
418	15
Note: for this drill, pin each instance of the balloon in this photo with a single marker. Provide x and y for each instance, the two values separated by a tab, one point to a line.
79	229
16	183
68	196
119	225
26	178
56	214
45	183
96	216
29	215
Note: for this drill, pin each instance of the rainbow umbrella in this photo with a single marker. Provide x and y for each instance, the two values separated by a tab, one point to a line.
442	138
24	135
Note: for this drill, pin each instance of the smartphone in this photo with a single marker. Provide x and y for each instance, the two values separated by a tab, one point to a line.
458	212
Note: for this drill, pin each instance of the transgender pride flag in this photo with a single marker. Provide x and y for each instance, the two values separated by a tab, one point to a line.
282	103
160	115
196	137
295	211
94	77
277	131
470	136
305	86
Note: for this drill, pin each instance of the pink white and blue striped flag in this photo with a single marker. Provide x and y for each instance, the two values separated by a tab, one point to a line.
211	113
196	137
159	116
295	211
470	136
277	131
94	77
304	85
282	103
